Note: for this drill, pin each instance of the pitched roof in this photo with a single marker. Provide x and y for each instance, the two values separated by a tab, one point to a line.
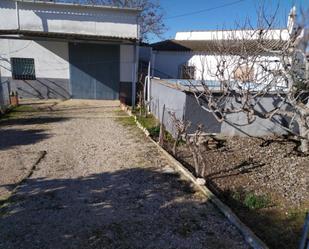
220	46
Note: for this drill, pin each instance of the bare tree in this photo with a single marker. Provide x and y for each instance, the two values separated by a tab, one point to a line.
151	17
251	63
194	142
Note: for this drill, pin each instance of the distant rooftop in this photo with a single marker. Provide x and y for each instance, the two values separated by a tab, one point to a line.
249	34
219	46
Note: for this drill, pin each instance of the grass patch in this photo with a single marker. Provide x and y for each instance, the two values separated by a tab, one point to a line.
126	121
153	126
253	201
248	200
149	122
17	111
120	113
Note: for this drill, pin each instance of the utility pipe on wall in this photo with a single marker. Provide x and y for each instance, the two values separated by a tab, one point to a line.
17	15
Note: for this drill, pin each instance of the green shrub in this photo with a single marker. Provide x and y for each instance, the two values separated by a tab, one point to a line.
154	131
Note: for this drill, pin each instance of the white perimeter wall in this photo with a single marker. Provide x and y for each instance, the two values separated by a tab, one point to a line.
51	58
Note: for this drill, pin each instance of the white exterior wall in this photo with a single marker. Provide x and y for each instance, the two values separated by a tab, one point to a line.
8	13
206	65
68	19
51	58
167	64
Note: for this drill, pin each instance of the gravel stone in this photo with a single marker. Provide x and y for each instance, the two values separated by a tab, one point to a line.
102	184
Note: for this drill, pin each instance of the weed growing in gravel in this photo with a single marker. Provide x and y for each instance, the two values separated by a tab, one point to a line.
253	201
148	122
126	121
249	200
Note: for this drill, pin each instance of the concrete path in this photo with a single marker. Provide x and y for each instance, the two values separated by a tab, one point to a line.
101	184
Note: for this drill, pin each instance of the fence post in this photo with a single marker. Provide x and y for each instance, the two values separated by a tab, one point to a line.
162	129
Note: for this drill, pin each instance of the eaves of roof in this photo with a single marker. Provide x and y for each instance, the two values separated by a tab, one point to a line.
65	36
219	46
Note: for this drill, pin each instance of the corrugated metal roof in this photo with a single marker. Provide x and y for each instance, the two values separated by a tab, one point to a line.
32	34
220	46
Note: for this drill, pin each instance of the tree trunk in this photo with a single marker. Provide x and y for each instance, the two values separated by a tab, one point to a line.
175	143
195	158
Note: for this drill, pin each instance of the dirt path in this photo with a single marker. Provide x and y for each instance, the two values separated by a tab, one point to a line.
102	184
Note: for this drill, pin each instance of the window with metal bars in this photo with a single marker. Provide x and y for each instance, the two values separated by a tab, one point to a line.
187	72
23	68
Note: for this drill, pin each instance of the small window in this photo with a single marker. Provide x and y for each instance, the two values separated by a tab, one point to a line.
187	72
23	69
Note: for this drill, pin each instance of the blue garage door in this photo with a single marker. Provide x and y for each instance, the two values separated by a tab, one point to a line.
94	70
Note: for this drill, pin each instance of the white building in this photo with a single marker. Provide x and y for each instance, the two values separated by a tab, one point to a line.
58	50
195	55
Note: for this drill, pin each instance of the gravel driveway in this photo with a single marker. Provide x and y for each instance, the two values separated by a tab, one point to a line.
101	184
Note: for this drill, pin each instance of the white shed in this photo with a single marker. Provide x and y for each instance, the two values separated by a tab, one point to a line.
60	50
195	55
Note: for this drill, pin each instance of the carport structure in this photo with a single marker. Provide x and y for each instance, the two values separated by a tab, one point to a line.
60	50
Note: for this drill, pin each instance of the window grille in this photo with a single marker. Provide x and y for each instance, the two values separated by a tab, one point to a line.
23	68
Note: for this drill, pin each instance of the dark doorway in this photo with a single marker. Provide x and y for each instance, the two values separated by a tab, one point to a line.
94	71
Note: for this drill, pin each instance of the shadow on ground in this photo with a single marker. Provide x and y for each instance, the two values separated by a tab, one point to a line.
13	137
32	120
134	208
